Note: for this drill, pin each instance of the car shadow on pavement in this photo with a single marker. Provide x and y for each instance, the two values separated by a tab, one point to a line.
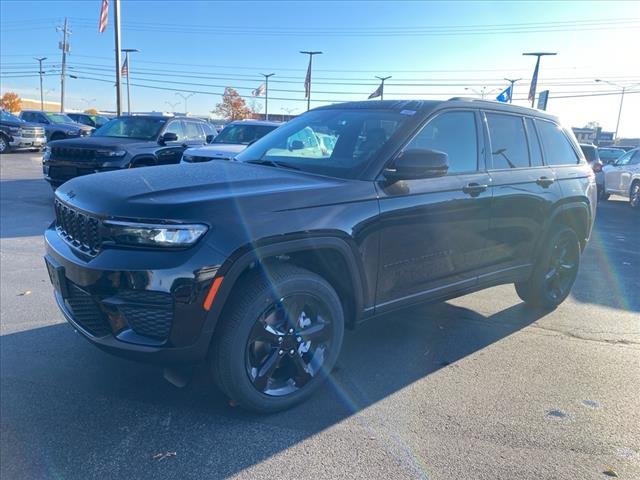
72	411
27	207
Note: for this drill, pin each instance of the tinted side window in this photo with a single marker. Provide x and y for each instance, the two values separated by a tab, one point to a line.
534	144
557	149
635	160
508	141
453	133
175	127
192	131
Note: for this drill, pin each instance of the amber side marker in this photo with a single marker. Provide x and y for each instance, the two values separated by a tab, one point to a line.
212	293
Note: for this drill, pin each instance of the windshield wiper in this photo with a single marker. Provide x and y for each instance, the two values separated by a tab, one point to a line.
271	163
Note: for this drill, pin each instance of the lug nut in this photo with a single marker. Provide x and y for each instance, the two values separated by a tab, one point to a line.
299	339
281	352
291	330
291	352
280	340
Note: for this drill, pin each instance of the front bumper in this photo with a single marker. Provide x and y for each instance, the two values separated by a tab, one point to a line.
57	173
130	310
27	142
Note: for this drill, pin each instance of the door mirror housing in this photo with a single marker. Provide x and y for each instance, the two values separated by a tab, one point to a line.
210	138
418	163
168	137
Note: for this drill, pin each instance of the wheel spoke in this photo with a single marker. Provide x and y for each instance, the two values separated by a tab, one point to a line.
266	369
264	333
317	332
302	375
551	275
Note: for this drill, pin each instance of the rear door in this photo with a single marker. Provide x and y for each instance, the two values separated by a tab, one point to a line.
433	231
613	177
524	190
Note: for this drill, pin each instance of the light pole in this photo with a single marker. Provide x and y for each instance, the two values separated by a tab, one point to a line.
41	72
534	79
622	90
185	98
512	82
482	92
173	105
266	94
126	52
88	101
382	79
307	80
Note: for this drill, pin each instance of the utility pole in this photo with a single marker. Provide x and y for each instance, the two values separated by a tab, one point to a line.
382	79
307	80
41	72
512	82
185	98
622	90
266	94
116	29
127	51
534	79
64	46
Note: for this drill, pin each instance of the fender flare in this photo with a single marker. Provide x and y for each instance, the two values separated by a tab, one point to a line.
144	157
233	268
572	206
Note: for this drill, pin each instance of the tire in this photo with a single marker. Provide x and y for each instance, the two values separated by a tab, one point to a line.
555	271
4	144
291	301
634	195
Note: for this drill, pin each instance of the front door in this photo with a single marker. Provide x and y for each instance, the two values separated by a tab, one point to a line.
433	231
171	152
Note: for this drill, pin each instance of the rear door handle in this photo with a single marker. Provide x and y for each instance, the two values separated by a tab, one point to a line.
545	182
474	189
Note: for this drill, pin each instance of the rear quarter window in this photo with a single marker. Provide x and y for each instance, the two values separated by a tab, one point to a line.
557	147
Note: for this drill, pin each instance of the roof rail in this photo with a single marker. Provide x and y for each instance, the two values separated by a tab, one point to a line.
469	99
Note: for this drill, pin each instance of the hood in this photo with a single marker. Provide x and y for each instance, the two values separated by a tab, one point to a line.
225	150
188	192
71	126
110	143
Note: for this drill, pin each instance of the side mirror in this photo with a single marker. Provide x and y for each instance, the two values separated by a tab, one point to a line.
418	163
296	145
210	138
169	137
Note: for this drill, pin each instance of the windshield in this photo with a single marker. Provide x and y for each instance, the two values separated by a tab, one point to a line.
132	127
610	154
329	142
243	134
59	118
7	117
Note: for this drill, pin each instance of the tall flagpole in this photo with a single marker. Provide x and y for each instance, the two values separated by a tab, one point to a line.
266	94
512	82
308	78
127	51
116	29
382	79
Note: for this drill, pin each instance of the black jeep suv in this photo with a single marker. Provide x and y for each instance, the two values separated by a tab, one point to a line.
124	142
257	265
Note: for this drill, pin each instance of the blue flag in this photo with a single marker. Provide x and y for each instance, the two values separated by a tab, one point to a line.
505	96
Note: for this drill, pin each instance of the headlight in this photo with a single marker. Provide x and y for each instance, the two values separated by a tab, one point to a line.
155	235
111	153
47	153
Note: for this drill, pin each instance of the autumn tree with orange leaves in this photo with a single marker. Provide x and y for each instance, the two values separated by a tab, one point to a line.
233	106
10	102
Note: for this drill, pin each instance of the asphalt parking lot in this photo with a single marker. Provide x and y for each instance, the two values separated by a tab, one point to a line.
480	387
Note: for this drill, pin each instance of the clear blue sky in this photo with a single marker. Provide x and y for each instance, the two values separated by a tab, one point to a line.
229	43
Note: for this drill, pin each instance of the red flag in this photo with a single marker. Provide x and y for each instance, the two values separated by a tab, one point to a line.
104	16
307	81
125	68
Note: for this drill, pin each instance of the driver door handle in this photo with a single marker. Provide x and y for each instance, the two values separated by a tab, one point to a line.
545	182
474	189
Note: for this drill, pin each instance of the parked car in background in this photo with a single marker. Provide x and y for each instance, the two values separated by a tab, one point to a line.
609	154
18	134
258	265
623	177
94	121
593	159
124	142
233	138
57	126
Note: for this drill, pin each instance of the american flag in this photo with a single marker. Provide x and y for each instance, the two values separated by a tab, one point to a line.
534	82
307	81
104	16
259	91
125	68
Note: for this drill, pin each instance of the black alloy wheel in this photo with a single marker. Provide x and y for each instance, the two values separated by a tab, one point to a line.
4	144
634	195
288	344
